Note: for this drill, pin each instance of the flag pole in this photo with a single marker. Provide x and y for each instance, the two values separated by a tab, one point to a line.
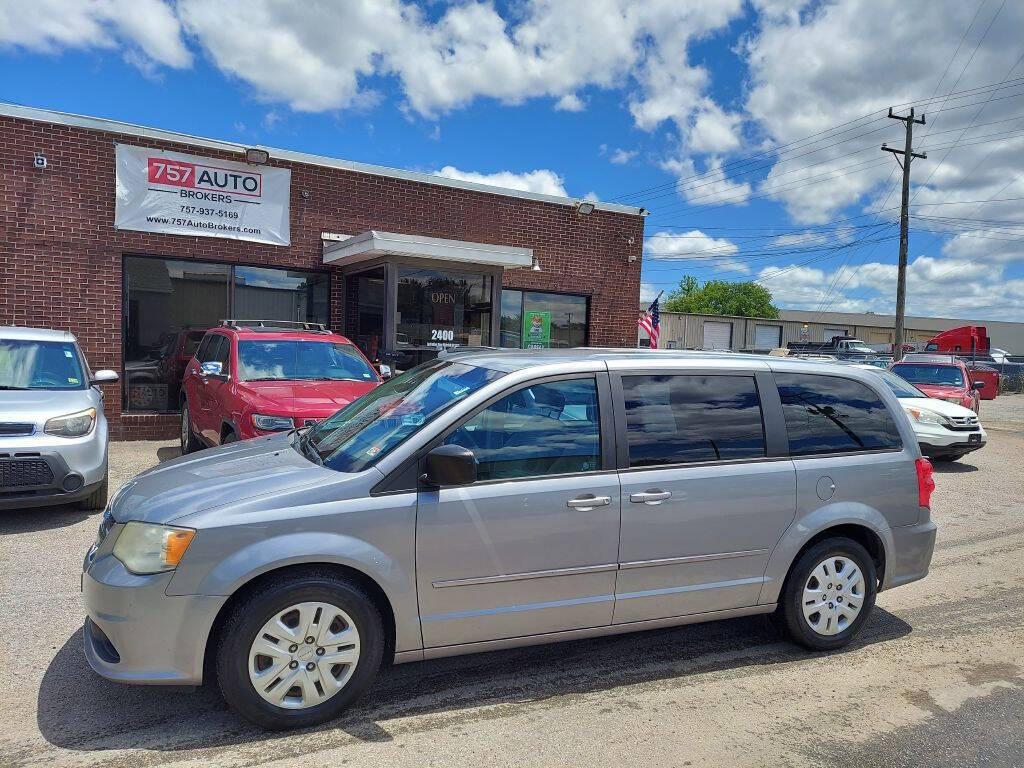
644	311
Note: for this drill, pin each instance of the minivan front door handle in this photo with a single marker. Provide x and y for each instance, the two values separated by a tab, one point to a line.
650	497
589	502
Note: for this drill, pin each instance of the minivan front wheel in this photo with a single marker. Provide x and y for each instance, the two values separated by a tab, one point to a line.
297	651
829	594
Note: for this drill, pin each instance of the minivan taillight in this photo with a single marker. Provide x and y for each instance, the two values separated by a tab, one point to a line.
925	482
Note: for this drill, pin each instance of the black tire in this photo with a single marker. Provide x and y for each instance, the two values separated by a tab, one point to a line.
189	442
251	613
97	500
791	608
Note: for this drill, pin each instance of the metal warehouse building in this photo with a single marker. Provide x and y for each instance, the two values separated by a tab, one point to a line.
686	331
137	239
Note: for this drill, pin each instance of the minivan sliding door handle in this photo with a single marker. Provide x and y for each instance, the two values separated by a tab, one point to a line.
650	497
589	502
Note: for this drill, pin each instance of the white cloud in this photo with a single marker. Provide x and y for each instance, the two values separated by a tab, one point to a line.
943	287
648	291
695	246
708	187
622	156
591	197
146	30
844	59
570	103
541	181
800	238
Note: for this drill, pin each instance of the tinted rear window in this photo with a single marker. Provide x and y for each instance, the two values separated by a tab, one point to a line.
679	419
831	414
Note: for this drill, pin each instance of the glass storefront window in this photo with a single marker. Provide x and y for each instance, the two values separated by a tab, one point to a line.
169	304
364	311
511	318
278	294
557	320
168	307
438	309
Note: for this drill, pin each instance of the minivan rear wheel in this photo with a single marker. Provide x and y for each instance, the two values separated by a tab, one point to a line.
829	593
298	650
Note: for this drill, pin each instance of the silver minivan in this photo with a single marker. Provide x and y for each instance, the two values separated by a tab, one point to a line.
491	499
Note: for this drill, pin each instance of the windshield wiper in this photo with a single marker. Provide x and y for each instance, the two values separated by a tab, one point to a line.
307	450
11	386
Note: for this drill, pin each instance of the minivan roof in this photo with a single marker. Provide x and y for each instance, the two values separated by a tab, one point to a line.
509	360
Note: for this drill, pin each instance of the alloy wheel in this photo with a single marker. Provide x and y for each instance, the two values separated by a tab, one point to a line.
304	655
833	595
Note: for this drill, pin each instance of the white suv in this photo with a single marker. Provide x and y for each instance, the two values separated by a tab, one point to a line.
945	431
53	435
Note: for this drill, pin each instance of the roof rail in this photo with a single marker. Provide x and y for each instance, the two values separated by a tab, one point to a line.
275	325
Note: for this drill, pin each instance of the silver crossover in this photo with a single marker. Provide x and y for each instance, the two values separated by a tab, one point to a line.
53	435
491	499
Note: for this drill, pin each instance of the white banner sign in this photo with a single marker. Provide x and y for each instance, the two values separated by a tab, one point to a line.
180	194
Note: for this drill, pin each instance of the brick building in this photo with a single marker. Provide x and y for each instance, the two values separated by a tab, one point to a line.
403	263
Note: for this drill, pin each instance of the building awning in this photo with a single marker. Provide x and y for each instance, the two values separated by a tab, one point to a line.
344	250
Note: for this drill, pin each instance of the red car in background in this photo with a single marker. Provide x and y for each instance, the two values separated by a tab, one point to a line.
248	379
941	376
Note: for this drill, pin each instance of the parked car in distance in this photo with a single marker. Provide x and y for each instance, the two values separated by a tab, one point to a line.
840	346
253	378
941	376
945	431
498	498
53	434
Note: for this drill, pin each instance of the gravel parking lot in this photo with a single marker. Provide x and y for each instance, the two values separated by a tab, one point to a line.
935	678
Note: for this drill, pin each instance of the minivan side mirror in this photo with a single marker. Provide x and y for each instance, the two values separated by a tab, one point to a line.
449	465
978	385
103	377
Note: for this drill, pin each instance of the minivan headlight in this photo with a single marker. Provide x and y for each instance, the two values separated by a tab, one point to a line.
927	417
149	548
72	425
271	423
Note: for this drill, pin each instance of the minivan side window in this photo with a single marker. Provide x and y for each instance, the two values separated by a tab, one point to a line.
544	429
832	414
679	419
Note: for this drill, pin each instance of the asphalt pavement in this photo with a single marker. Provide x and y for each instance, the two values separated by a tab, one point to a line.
936	678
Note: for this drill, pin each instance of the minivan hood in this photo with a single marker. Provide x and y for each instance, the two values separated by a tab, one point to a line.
38	405
214	477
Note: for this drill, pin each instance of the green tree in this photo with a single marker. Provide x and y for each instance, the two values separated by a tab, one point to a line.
719	297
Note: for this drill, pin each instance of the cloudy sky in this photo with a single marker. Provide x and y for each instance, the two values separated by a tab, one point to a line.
750	129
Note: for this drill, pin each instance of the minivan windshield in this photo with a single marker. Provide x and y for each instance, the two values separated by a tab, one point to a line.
28	364
275	360
930	374
370	427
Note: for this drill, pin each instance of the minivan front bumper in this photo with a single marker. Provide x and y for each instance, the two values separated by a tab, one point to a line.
135	633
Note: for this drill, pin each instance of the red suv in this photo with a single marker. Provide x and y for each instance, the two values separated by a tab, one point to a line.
246	380
941	376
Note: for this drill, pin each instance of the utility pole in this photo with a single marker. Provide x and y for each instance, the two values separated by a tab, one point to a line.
901	282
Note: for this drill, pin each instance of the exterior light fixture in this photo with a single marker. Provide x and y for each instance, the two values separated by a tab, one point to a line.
583	207
255	156
536	265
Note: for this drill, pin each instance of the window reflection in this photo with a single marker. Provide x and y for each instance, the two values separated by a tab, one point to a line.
567	316
277	294
440	309
678	419
168	306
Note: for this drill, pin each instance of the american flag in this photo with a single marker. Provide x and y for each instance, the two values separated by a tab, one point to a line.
650	321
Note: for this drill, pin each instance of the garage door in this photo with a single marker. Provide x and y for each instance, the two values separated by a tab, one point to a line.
767	336
831	333
717	335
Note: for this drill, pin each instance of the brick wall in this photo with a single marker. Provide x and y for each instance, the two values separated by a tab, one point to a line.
60	258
